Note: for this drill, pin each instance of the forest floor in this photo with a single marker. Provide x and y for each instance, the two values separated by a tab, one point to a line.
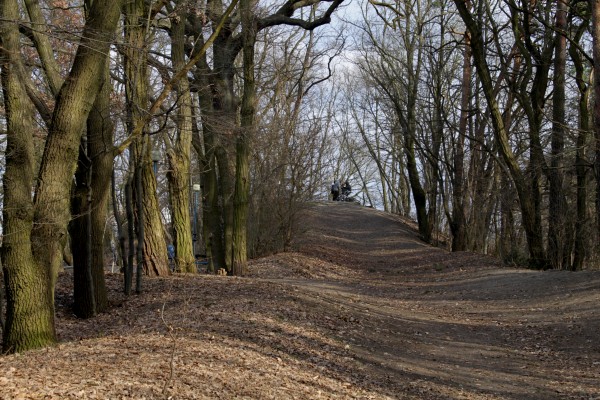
361	310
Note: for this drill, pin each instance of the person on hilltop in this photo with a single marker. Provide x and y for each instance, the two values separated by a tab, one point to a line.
335	190
346	188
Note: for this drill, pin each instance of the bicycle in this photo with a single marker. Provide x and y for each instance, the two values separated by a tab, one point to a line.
345	196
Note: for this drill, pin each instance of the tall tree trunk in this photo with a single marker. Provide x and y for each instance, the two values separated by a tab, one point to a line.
226	166
458	221
30	304
410	133
433	156
242	176
100	130
81	234
90	207
225	107
240	204
213	226
211	209
136	72
432	159
581	240
179	155
558	249
219	108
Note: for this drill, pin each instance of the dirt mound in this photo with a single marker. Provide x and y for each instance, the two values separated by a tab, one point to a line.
362	309
345	239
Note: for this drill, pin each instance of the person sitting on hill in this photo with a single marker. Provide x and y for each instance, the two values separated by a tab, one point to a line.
346	188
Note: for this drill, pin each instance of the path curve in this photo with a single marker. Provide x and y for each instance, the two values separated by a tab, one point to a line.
434	324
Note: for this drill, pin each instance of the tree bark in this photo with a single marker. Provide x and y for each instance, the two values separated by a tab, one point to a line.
211	209
242	176
141	234
29	297
179	155
580	246
80	231
136	71
121	237
458	221
100	130
90	207
129	207
559	252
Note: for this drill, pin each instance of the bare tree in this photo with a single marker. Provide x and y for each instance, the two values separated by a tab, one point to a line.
137	17
180	151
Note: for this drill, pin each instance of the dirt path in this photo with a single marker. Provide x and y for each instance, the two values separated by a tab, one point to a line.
459	322
361	310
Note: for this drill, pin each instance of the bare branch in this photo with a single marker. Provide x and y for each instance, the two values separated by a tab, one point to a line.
283	16
137	131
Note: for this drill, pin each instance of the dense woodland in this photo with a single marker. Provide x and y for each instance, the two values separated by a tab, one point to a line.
127	126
